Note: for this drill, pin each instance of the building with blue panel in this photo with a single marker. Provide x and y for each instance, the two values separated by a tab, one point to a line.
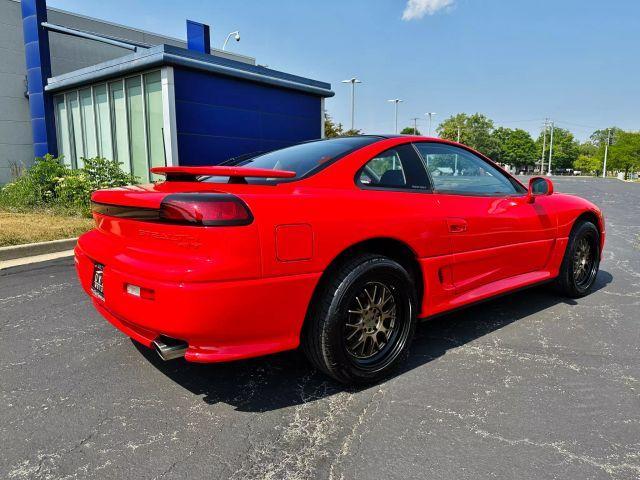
218	117
168	105
146	100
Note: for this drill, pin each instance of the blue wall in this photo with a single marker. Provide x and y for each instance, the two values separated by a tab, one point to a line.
198	37
38	63
220	117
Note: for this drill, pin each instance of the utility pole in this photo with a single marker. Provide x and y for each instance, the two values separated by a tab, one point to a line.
459	131
550	149
415	125
430	115
606	152
544	144
353	82
396	101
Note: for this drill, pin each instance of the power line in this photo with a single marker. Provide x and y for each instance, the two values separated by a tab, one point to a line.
577	124
521	121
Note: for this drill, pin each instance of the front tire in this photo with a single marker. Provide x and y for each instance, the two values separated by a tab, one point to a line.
581	261
362	321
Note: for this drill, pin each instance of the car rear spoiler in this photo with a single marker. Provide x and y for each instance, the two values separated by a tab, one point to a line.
237	174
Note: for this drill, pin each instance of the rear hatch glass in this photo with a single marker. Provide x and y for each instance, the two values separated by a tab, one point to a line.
304	159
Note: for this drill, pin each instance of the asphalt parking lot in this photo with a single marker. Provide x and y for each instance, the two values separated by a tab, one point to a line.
527	386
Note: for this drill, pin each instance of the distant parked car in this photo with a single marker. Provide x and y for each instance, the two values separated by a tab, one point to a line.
336	245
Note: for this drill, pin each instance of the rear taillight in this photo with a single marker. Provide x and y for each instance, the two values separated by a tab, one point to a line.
206	209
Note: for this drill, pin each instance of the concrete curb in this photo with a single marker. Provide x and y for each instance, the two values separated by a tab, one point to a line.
31	249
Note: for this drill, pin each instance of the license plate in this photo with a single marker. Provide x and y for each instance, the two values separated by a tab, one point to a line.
96	284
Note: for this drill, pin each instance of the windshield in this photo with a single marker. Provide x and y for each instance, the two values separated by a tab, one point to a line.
304	158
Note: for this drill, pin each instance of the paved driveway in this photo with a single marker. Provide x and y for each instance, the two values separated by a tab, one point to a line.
528	386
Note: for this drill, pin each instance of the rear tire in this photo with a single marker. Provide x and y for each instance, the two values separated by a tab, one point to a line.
362	320
581	261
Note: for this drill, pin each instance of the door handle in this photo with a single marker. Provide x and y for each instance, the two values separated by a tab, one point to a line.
457	225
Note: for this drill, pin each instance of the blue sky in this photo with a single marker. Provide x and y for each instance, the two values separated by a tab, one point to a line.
517	61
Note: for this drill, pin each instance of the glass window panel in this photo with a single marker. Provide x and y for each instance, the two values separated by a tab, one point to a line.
119	122
397	168
137	139
62	127
307	157
88	123
76	121
153	99
455	170
104	128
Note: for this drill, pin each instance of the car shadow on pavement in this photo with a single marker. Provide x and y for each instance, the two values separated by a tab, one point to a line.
287	379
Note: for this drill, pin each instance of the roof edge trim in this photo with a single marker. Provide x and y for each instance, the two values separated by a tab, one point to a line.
175	56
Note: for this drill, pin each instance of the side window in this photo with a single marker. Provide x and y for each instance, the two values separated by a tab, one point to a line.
455	170
396	168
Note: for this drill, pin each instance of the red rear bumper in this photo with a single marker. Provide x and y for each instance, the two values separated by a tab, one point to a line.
221	320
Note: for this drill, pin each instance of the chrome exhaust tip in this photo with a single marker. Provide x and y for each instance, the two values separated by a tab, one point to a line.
170	348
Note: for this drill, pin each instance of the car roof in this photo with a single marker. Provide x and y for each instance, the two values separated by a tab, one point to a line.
375	135
389	136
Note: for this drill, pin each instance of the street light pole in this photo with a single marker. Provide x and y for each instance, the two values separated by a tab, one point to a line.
415	125
606	152
550	149
396	101
353	82
544	144
430	114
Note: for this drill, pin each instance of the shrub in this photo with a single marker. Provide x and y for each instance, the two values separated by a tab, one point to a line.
51	184
45	173
36	186
103	173
75	188
73	192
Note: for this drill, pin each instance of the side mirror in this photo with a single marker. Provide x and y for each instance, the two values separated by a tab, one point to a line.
539	186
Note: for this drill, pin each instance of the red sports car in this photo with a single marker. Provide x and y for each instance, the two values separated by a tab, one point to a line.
337	245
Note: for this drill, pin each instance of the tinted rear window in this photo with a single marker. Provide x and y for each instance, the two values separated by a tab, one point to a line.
306	158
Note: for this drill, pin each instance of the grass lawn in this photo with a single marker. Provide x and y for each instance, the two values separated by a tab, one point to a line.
18	228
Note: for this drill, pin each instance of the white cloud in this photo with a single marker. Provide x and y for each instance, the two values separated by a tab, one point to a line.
416	9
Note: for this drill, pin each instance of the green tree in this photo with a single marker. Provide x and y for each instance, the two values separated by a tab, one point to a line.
352	132
598	140
588	148
599	137
624	155
410	131
332	129
588	164
565	149
589	160
475	131
515	147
